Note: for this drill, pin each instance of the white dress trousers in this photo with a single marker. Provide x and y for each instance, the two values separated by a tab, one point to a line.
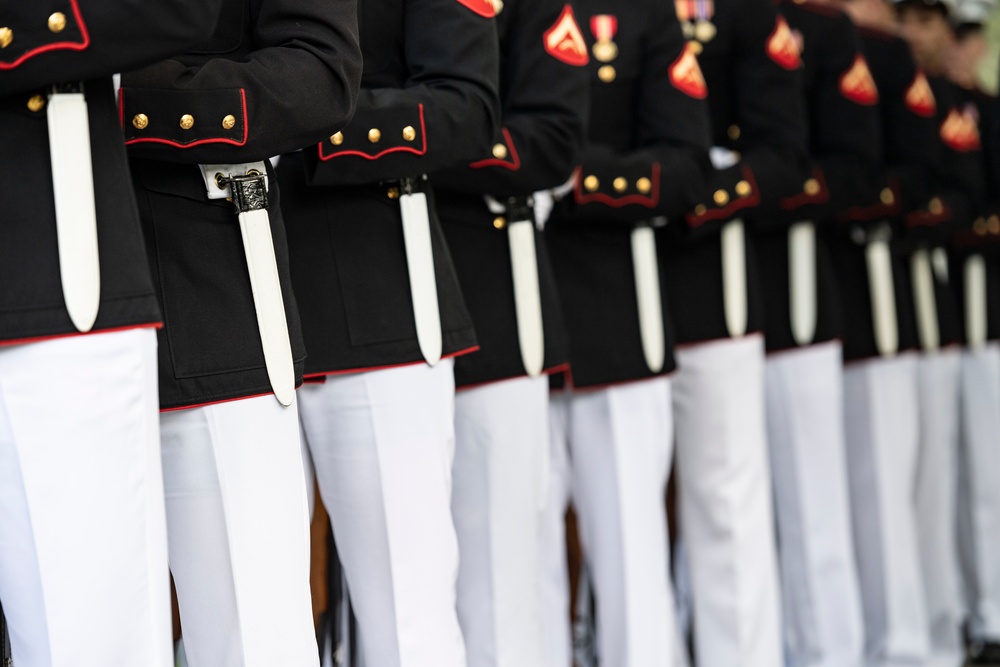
805	429
979	490
238	527
621	453
881	424
83	540
383	444
500	479
937	495
725	498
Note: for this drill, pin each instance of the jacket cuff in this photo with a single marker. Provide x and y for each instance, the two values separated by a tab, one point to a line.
380	133
931	214
814	191
505	154
888	206
184	118
733	190
637	185
38	27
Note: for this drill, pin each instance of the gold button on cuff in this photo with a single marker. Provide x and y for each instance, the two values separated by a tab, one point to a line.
337	139
499	222
979	227
700	210
887	197
993	224
620	185
591	183
607	73
733	132
374	135
811	187
140	121
6	37
409	134
721	197
696	47
392	193
935	206
57	22
229	122
744	189
36	103
187	121
644	185
500	151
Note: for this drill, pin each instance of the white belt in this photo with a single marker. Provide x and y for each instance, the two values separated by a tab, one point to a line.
734	258
802	281
246	184
878	259
420	265
924	300
76	214
975	301
647	293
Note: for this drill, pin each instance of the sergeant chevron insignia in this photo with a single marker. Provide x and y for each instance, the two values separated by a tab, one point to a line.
781	46
564	40
485	8
686	74
857	84
920	98
960	132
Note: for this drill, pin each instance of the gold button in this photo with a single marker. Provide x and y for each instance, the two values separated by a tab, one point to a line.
744	189
499	222
993	224
811	187
36	103
57	22
392	193
337	139
409	134
887	196
979	227
6	37
700	210
374	135
607	73
187	121
935	206
644	185
620	184
696	47
229	122
591	183
140	121
500	151
733	132
721	197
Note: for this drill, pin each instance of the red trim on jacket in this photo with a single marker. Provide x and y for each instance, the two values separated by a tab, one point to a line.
175	144
74	334
311	377
513	165
803	199
55	46
649	201
561	368
219	402
736	204
396	149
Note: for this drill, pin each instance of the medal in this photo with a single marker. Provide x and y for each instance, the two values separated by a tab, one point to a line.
604	27
704	30
696	19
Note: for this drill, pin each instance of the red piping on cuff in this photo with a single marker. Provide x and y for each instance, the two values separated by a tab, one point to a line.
803	199
513	165
74	334
737	204
56	46
175	144
649	201
313	376
397	149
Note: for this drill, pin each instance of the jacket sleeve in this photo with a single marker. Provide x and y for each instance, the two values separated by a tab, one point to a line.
445	115
772	141
44	42
297	84
664	173
545	95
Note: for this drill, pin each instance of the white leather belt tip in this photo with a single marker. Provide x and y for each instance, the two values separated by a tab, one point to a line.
878	260
420	266
802	281
647	292
734	277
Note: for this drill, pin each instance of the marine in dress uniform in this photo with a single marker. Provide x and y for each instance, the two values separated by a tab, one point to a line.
83	551
274	76
501	409
753	69
645	156
804	371
383	316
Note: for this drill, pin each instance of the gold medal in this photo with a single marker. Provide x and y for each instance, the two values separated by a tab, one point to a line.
607	73
704	31
688	29
605	51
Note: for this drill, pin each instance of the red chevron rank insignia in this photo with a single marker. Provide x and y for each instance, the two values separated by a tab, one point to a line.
686	74
564	40
781	46
920	98
960	132
857	84
484	8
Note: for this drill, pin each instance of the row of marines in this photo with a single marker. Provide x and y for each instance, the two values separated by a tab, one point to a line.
509	255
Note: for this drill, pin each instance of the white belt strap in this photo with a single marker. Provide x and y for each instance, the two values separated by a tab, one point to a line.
924	300
647	292
420	265
975	301
734	277
76	214
802	281
247	185
878	259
